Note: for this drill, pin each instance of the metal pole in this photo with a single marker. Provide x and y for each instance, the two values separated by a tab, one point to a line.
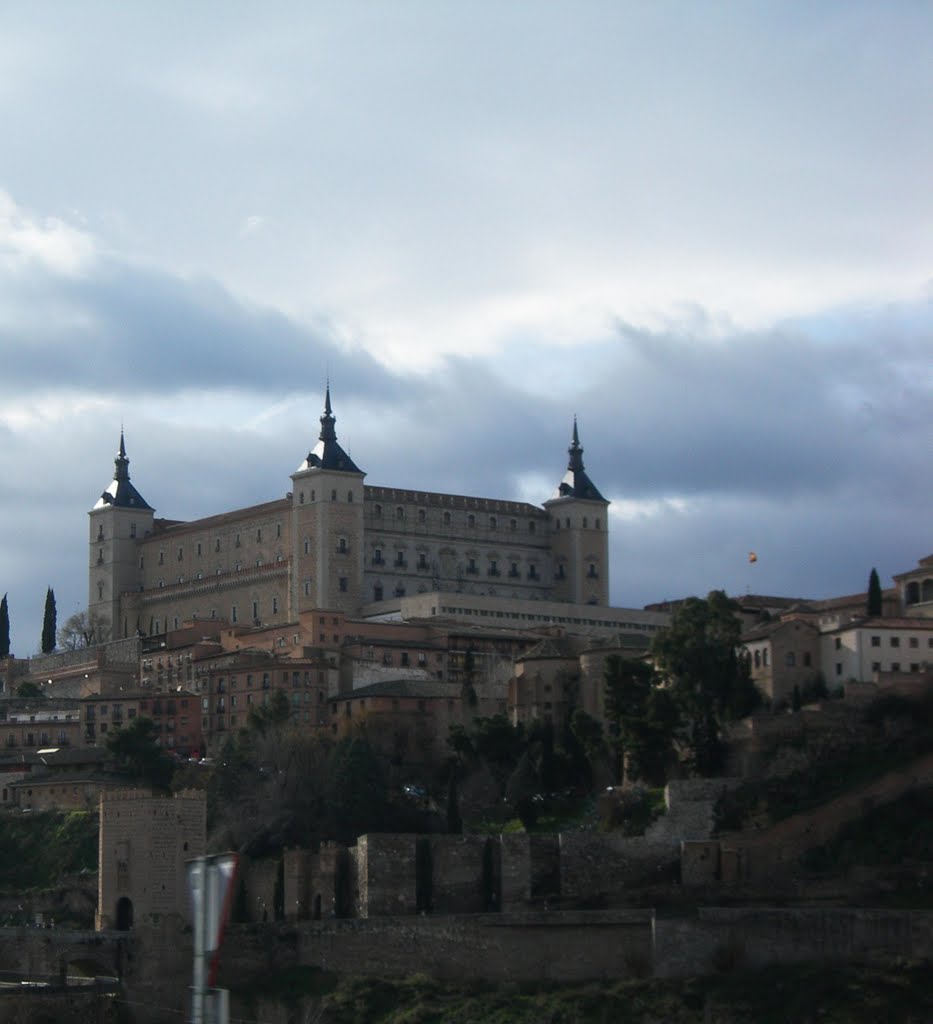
200	935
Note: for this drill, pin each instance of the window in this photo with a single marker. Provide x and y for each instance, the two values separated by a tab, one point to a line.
400	559
876	641
259	533
343	583
895	641
492	523
471	520
591	572
913	642
233	614
586	523
790	659
217	544
275	605
532	572
400	513
342	546
377	511
838	643
255	609
161	558
198	548
422	515
513	524
531	527
838	668
236	543
447	519
493	568
350	497
132	529
377	592
757	659
806	659
307	546
333	495
895	666
876	666
471	567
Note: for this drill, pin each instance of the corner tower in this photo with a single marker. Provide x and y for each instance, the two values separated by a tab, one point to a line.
120	518
579	534
327	526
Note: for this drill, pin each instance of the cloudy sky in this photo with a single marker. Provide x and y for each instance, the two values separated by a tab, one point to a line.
704	228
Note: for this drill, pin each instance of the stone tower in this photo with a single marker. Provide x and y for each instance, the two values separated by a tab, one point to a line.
120	517
327	526
579	534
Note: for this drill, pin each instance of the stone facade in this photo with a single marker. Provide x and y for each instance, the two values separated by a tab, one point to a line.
145	841
333	542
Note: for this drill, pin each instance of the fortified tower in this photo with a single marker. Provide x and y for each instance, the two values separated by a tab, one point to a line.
327	526
579	534
120	517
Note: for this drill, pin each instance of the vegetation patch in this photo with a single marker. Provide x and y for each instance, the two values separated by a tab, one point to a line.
897	994
37	849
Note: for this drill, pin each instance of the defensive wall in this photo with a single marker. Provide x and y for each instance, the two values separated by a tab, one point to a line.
392	874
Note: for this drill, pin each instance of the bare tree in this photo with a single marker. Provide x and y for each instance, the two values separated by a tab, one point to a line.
83	629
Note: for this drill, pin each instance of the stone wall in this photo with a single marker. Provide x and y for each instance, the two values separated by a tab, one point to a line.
386	882
144	841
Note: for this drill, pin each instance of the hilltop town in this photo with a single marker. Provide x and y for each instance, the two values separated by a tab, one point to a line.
437	746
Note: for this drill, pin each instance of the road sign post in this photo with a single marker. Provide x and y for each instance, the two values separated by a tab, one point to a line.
211	883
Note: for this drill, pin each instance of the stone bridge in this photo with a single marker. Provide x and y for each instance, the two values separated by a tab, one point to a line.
53	953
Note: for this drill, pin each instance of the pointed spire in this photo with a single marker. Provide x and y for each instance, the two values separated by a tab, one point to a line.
328	433
576	484
122	463
327	453
121	493
575	450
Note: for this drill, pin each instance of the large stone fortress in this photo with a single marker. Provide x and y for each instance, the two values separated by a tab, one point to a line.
336	543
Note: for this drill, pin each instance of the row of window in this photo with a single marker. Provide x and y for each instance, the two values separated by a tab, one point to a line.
492	522
333	496
597	523
200	546
894	641
876	666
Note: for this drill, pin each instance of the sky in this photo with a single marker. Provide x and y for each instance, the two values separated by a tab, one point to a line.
705	229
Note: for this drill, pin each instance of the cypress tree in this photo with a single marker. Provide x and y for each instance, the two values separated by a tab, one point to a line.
49	622
874	595
4	629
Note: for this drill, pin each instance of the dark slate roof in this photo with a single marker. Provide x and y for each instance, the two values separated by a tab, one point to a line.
421	688
621	641
549	648
121	493
327	453
576	483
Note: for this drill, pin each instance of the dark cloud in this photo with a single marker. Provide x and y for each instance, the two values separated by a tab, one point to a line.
808	443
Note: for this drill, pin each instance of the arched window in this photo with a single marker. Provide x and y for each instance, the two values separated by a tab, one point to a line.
350	496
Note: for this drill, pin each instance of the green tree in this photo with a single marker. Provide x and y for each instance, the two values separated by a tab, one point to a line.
875	607
357	797
136	750
697	656
49	620
29	690
500	744
522	788
270	716
643	719
4	628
